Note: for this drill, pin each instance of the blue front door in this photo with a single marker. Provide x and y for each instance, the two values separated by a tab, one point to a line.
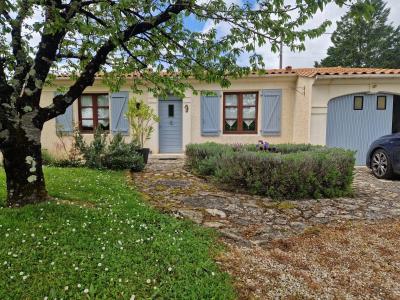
170	126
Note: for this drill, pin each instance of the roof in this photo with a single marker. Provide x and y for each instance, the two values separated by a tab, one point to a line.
303	72
312	72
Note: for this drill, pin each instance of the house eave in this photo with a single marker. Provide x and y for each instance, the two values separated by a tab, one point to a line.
357	76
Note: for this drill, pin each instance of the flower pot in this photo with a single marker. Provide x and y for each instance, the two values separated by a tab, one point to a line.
136	169
144	152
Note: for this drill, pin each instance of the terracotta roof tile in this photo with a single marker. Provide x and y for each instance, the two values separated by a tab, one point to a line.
312	72
306	72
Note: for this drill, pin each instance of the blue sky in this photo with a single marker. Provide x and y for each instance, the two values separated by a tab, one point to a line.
316	48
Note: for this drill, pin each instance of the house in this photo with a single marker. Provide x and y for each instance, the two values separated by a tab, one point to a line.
338	107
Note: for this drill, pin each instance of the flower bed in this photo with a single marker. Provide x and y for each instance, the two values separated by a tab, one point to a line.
290	172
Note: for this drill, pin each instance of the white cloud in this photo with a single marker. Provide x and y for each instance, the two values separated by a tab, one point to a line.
316	48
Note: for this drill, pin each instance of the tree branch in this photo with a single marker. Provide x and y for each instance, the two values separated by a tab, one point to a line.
6	15
71	55
92	16
22	60
182	48
61	102
133	56
45	56
5	88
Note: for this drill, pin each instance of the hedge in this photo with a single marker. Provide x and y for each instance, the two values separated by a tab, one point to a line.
295	172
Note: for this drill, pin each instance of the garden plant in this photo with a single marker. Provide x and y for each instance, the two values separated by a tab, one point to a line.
288	172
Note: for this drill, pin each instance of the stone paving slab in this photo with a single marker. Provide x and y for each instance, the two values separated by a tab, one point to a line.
248	220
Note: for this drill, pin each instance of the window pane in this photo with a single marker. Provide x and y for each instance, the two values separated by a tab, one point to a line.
249	99
104	124
231	113
87	113
102	100
86	101
249	112
103	113
231	100
231	125
381	103
249	125
358	102
171	110
87	124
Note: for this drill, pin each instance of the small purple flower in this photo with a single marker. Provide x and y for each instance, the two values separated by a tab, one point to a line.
263	146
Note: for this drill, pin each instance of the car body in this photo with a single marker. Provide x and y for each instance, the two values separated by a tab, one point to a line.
383	157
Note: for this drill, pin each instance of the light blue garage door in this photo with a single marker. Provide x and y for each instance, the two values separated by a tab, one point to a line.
355	121
170	133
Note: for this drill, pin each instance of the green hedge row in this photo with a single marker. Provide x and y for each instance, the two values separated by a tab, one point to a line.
295	172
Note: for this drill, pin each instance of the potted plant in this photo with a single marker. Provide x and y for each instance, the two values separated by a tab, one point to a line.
142	119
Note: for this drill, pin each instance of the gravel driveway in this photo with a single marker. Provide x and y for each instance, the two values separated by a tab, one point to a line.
253	226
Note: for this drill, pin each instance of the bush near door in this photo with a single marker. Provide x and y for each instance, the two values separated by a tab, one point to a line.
101	153
295	172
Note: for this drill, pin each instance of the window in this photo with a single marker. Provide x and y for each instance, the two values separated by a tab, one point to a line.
381	103
94	112
358	103
240	112
170	110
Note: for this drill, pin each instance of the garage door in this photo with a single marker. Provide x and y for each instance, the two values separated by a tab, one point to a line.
355	121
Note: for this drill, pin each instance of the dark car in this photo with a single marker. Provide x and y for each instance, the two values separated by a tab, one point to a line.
384	156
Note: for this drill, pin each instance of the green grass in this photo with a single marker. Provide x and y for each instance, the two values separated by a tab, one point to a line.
103	244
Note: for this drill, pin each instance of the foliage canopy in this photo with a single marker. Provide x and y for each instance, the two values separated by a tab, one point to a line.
365	40
147	38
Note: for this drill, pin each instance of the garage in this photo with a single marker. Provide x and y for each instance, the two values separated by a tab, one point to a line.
356	120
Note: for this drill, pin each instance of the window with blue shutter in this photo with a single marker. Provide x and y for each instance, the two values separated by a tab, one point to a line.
211	114
119	106
65	122
271	112
94	112
240	112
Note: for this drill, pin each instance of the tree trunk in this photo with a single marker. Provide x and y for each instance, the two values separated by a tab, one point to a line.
23	166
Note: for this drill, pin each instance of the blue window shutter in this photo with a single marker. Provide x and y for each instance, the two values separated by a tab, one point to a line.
211	114
119	106
271	112
65	122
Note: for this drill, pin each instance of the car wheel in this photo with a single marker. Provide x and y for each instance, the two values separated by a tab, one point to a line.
381	165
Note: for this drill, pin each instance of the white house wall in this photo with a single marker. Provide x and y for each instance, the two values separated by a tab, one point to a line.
286	84
304	108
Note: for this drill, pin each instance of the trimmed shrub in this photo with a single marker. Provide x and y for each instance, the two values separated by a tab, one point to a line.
295	172
202	158
280	148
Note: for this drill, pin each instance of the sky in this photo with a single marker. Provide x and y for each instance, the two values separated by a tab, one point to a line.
315	49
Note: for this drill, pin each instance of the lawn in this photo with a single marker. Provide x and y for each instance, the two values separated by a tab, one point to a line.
100	241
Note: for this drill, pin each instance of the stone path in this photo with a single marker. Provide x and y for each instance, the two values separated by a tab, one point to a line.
248	220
